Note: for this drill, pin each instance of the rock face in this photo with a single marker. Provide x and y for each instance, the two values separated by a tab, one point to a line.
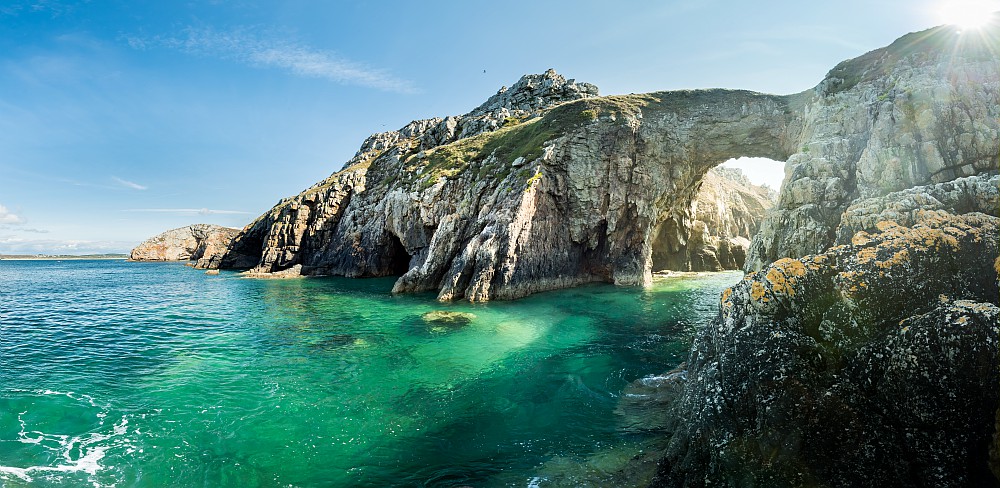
921	111
204	243
715	234
547	185
872	364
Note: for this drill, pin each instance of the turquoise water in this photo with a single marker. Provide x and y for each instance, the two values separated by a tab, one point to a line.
128	374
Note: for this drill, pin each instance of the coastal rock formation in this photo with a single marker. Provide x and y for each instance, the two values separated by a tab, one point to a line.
548	186
872	364
571	195
715	234
921	111
204	243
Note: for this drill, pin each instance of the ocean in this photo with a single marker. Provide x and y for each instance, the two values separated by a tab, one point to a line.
155	374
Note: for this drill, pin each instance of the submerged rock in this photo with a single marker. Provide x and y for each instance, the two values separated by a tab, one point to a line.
443	320
204	243
872	364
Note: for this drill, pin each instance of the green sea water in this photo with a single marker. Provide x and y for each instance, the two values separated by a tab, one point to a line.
141	374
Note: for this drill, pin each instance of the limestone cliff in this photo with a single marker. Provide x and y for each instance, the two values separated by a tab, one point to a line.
924	110
204	243
547	185
725	213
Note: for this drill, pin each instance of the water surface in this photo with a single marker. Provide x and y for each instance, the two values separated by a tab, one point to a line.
151	374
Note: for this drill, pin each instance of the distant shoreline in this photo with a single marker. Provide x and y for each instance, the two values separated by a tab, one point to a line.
46	257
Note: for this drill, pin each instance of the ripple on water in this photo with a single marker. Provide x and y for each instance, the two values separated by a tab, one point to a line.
131	374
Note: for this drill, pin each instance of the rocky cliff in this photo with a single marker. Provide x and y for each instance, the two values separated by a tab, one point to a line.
548	185
726	212
204	243
921	111
871	364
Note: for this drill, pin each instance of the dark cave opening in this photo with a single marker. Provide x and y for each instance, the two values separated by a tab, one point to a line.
399	259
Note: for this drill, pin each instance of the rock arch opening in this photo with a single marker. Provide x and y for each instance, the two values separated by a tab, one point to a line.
713	230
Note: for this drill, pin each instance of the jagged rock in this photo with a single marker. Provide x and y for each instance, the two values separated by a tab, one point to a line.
715	232
960	196
204	243
872	364
548	186
921	111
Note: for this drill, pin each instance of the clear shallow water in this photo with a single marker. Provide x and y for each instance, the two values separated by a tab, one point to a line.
129	374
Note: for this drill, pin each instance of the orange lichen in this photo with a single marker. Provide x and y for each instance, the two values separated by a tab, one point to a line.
886	225
900	257
860	239
726	295
757	292
867	254
783	274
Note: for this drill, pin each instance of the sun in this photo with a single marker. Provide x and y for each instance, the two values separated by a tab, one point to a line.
967	14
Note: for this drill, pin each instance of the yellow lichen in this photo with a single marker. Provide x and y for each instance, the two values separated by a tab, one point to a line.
900	257
867	254
726	295
886	225
757	291
860	239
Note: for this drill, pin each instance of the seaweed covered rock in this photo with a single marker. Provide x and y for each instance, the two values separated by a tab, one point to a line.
872	364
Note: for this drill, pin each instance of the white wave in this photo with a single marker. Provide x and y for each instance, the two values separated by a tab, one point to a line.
90	448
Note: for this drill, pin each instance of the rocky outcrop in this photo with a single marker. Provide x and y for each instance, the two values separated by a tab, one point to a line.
568	196
872	364
204	243
548	186
921	111
715	233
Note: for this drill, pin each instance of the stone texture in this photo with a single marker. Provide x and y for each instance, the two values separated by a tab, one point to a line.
715	232
547	185
872	364
921	111
204	243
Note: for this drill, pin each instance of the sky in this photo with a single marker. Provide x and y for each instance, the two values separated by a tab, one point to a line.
122	119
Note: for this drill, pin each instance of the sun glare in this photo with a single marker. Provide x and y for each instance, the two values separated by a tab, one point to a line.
967	14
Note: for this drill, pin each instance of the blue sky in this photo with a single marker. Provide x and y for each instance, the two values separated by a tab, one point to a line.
119	120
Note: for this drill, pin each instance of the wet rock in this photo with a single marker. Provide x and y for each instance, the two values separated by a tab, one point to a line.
872	364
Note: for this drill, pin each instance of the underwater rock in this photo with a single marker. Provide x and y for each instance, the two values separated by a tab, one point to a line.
872	364
443	320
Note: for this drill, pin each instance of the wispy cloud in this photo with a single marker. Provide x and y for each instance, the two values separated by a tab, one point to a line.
129	184
253	49
8	218
18	245
189	211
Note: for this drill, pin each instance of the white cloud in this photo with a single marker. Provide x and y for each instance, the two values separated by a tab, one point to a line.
244	46
18	245
198	211
7	218
129	184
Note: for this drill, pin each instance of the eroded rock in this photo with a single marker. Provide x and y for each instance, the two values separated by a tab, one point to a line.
204	243
874	363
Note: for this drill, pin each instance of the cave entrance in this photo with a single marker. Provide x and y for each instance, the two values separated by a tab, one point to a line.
713	229
399	259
